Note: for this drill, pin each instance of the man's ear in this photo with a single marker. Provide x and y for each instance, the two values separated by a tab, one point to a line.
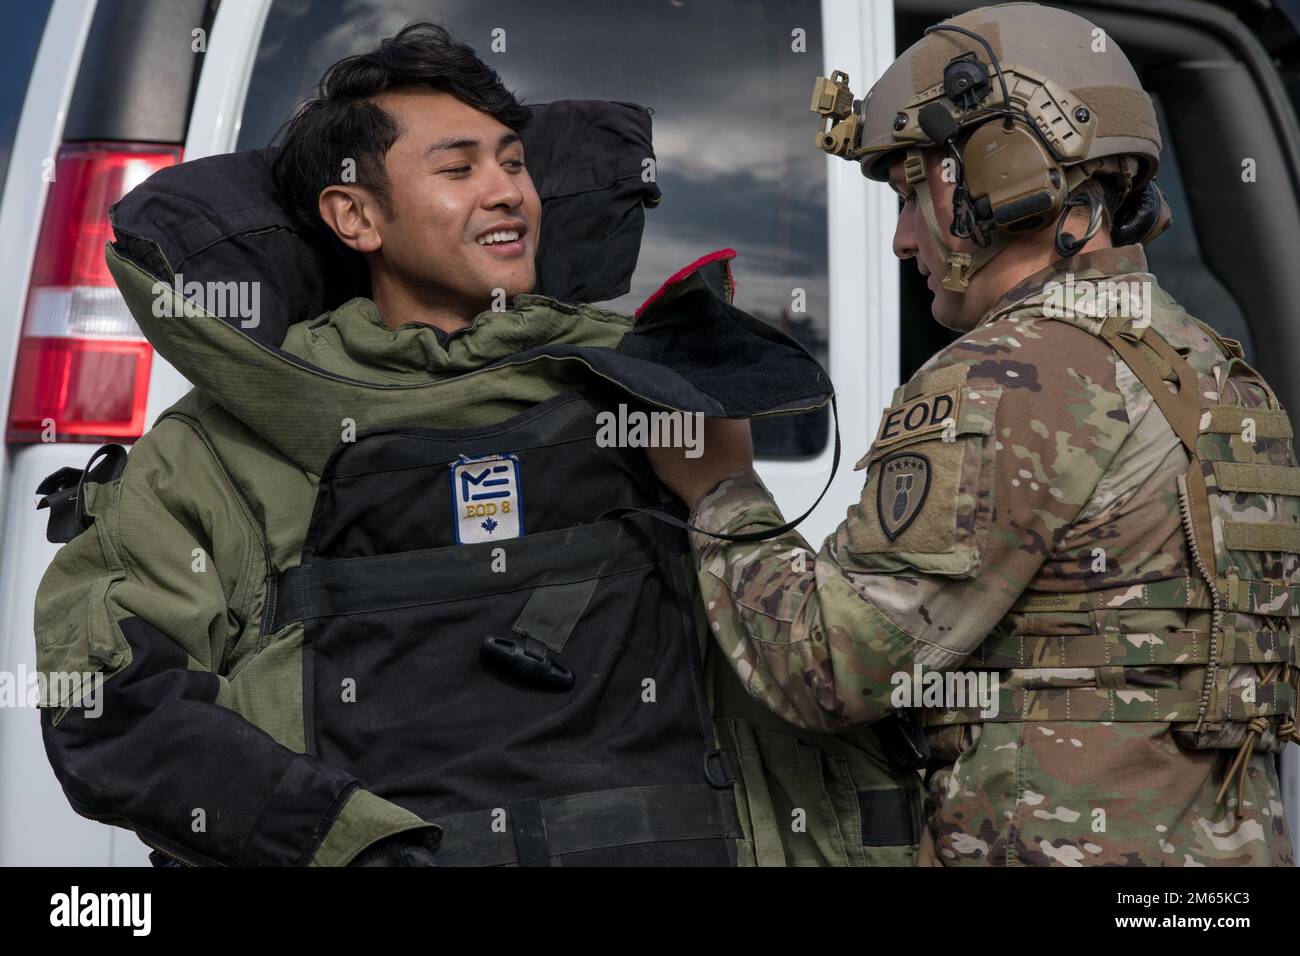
352	213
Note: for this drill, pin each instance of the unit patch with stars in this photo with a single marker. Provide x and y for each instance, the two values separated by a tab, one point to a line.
900	494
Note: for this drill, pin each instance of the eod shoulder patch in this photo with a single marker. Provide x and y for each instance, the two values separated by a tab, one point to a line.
903	484
921	507
918	416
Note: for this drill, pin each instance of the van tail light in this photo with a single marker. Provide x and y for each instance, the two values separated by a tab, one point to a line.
82	370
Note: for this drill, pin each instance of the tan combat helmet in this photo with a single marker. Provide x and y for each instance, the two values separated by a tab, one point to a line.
1029	100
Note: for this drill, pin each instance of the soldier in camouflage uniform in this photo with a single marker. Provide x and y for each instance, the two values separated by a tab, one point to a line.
1089	496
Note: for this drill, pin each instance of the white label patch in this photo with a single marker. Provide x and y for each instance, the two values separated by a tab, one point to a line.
485	498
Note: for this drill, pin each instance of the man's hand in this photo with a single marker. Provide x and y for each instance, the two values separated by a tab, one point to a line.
727	449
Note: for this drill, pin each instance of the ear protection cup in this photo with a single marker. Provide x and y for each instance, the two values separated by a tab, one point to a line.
1009	180
1012	182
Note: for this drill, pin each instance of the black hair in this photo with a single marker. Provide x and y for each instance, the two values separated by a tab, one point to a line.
343	122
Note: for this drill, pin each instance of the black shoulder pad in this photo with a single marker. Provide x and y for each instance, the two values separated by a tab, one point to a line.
62	492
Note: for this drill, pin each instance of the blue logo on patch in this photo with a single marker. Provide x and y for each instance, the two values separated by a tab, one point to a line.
486	501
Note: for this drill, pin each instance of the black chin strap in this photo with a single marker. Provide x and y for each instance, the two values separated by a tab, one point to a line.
1066	244
751	535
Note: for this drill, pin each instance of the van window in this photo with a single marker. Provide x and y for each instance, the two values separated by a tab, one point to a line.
1174	258
732	129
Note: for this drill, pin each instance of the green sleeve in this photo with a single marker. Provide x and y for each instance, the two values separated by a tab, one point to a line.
134	618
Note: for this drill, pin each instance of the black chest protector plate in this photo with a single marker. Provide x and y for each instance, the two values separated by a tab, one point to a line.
539	696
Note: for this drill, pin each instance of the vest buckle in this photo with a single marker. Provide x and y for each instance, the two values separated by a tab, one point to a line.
528	659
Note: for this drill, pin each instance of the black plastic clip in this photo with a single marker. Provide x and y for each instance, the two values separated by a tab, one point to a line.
903	737
64	492
530	660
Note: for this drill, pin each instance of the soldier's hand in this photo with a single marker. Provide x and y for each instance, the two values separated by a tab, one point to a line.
725	448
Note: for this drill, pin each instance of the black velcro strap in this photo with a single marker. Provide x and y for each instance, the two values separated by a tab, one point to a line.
587	821
529	831
552	612
541	631
890	817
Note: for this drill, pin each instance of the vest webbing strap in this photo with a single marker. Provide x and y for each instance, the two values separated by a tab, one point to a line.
1274	598
1116	649
535	831
1257	478
1188	593
1182	410
1231	420
1247	536
1139	705
553	612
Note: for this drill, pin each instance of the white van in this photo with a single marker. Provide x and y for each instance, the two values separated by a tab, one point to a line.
100	94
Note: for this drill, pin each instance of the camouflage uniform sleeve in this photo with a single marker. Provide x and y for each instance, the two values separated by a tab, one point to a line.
992	454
